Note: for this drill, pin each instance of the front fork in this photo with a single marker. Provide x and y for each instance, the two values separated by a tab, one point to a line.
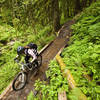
23	77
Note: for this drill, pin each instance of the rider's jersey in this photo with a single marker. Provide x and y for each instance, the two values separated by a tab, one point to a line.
32	53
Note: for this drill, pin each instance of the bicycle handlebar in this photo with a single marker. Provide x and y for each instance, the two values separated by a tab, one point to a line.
17	61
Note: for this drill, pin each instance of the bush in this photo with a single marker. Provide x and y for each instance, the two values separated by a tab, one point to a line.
8	46
84	50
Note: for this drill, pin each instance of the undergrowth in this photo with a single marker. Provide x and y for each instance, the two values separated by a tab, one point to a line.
81	57
56	84
10	39
83	54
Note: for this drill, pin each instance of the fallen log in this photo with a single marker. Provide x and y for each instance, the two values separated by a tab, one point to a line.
66	73
62	95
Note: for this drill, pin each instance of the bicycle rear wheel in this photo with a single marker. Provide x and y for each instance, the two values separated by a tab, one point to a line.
39	60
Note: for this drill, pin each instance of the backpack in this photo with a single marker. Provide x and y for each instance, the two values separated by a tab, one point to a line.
32	46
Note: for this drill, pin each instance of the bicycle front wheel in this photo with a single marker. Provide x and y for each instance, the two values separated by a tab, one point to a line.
19	81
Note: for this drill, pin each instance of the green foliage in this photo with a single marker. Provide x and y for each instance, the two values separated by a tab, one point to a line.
6	33
10	39
56	83
84	50
30	96
43	36
31	12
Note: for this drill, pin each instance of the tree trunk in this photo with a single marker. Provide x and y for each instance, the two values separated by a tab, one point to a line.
84	2
90	1
68	5
56	16
94	0
77	6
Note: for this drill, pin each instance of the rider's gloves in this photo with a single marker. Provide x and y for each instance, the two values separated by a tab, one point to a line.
16	60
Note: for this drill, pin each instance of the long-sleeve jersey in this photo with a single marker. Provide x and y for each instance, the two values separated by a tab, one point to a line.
29	53
32	53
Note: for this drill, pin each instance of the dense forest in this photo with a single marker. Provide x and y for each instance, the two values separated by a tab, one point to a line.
21	13
38	21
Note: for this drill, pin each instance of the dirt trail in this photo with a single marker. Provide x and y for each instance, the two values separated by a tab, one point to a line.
47	55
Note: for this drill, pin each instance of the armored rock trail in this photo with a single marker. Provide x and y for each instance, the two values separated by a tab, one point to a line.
47	54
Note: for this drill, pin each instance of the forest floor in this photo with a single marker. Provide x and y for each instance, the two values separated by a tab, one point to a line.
48	54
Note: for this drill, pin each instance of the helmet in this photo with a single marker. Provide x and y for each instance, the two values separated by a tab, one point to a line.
20	50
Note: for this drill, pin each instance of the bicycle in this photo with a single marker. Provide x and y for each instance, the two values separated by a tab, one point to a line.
21	79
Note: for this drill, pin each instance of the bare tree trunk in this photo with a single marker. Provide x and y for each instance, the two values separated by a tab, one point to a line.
94	0
90	1
67	11
56	16
77	6
84	2
68	4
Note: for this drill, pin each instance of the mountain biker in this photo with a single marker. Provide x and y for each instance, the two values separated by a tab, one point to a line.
30	51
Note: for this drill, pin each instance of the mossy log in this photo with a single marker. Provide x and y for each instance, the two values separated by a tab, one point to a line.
66	73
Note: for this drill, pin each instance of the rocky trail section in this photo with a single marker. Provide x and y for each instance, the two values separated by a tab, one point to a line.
47	54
